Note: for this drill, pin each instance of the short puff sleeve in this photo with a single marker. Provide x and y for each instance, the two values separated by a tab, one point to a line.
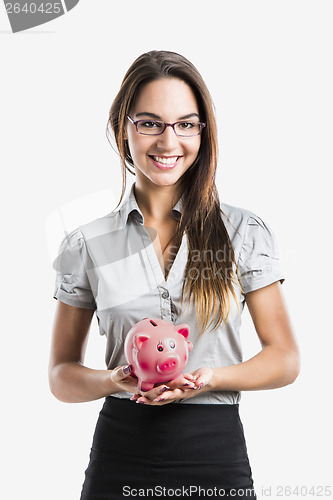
258	262
72	284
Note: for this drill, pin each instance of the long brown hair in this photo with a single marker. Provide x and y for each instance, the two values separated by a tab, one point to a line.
208	282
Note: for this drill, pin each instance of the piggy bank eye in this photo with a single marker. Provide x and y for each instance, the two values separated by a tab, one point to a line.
172	344
160	347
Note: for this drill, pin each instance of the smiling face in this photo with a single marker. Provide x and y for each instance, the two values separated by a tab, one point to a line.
162	159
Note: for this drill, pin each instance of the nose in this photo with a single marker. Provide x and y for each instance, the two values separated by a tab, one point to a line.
168	140
168	365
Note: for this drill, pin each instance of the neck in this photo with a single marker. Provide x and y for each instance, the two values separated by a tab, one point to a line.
156	202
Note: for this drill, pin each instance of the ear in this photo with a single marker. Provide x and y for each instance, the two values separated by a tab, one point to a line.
184	330
138	340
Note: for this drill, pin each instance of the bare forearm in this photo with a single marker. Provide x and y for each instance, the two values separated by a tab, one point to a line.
71	382
269	369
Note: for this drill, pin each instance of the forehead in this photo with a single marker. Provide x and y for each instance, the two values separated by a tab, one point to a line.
168	96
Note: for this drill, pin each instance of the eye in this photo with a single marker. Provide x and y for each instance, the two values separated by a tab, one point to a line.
144	124
160	347
186	125
172	344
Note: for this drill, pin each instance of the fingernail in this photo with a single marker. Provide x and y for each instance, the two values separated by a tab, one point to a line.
127	369
200	385
133	398
140	402
160	399
165	388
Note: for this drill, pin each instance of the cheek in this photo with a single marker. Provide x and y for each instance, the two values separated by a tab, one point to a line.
138	147
133	145
192	149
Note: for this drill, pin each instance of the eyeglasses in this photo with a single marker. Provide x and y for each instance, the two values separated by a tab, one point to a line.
156	127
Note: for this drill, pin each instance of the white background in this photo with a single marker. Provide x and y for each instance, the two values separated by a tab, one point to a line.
268	66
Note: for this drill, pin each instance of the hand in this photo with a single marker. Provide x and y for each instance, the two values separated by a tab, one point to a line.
187	386
122	378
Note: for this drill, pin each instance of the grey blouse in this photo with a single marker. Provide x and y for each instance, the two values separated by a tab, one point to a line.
110	265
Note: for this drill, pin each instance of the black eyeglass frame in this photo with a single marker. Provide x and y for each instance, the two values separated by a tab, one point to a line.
165	125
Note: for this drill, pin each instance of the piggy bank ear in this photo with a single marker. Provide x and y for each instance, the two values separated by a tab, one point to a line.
139	340
183	330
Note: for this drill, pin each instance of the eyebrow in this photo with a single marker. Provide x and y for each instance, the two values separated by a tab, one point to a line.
156	117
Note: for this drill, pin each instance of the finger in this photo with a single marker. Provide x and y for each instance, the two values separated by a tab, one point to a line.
121	372
144	400
170	395
162	403
203	377
181	382
148	402
200	383
185	382
190	377
154	393
157	394
188	385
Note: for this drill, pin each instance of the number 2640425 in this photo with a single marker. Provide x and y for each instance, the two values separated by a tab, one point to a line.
33	8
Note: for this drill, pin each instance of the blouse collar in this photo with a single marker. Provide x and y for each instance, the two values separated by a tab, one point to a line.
129	206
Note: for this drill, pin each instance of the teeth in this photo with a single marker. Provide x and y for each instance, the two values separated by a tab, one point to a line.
166	161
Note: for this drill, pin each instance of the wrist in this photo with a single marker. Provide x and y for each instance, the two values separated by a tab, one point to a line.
111	382
216	383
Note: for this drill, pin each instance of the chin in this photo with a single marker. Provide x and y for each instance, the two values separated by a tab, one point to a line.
163	180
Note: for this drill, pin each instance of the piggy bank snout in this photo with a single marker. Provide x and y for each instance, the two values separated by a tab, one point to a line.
168	364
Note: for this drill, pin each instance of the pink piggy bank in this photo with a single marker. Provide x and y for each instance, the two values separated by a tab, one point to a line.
157	350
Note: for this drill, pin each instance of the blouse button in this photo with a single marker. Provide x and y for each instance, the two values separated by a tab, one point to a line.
165	295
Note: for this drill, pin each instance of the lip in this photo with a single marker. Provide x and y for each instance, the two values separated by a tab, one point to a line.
161	166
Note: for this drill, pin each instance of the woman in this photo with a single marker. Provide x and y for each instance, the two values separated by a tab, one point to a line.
170	250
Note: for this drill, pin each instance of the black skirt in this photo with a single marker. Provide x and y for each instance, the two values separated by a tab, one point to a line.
175	450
